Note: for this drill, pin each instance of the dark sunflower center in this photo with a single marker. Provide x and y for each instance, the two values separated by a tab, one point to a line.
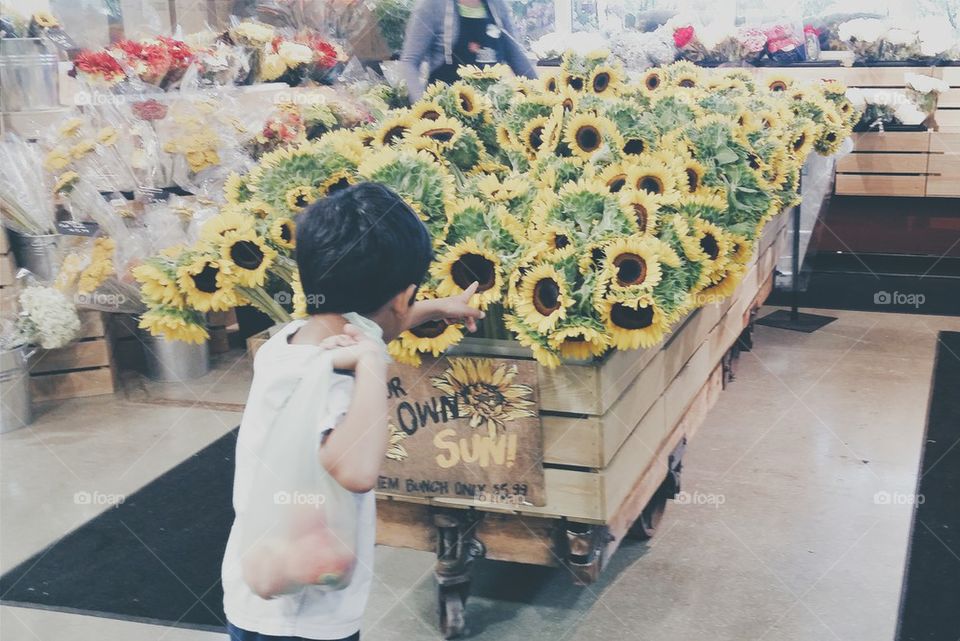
466	103
754	161
536	137
630	318
634	146
206	280
631	269
687	83
430	329
567	104
286	234
597	254
301	200
601	81
778	85
640	213
652	81
576	338
342	183
474	267
616	183
430	114
560	241
546	296
693	179
440	135
831	137
552	84
710	246
588	137
650	184
798	143
246	254
575	83
394	133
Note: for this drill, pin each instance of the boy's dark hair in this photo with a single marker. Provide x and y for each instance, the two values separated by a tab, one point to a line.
358	248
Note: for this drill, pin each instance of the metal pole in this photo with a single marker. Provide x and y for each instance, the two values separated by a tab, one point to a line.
795	258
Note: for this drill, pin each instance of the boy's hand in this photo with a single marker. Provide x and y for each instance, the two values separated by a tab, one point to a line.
353	349
457	309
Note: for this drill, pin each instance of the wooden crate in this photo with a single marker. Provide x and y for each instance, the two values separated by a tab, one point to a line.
948	105
222	326
885	164
943	179
84	368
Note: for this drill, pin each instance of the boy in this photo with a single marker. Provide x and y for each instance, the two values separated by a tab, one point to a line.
361	253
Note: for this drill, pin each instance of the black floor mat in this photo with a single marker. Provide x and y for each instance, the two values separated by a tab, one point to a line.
928	610
154	558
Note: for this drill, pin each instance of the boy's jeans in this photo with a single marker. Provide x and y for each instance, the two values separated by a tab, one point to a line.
236	634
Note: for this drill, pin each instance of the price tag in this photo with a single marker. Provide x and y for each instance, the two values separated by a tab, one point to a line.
77	228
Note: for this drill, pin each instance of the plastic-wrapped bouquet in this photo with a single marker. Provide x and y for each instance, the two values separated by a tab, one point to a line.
785	43
638	51
883	40
160	61
924	91
47	319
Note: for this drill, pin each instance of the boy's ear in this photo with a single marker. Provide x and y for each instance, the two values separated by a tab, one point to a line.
404	300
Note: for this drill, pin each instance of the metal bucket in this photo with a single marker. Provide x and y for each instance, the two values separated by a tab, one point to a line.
38	254
174	361
14	390
29	75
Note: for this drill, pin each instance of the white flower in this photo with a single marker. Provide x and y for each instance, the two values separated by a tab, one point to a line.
936	36
48	318
900	37
908	113
925	84
857	97
294	53
272	67
254	32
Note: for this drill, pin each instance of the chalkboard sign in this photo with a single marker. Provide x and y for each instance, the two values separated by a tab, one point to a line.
467	428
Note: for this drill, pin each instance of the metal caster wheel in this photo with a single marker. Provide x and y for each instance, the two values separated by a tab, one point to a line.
646	524
452	601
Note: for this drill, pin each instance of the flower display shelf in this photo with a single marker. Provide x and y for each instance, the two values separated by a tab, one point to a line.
8	273
613	436
85	368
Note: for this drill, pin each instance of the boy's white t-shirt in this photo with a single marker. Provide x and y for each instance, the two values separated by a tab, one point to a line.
311	613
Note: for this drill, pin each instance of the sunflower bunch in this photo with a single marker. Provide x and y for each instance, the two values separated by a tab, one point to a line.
593	212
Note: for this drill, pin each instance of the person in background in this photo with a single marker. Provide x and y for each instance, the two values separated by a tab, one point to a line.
450	33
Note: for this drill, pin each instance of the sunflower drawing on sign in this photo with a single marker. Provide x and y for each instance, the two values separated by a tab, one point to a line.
395	449
485	392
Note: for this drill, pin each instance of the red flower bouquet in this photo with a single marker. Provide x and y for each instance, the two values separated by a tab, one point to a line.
98	67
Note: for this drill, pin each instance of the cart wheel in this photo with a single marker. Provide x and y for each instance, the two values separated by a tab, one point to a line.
646	524
452	603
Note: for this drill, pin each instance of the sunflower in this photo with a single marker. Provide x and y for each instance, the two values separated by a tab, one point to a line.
542	298
229	220
604	80
467	101
802	141
235	189
440	133
248	257
532	136
693	172
723	287
486	392
298	198
769	119
465	263
66	182
259	209
175	325
557	240
158	285
631	262
283	233
579	341
400	351
686	80
533	341
652	79
614	178
778	82
550	84
504	137
587	133
713	242
426	110
393	129
299	297
433	337
335	182
633	322
654	177
741	249
502	191
575	82
206	285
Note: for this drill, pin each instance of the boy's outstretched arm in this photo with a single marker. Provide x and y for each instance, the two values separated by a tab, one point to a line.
453	309
353	452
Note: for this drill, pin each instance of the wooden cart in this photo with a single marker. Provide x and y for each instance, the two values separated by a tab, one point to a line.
614	434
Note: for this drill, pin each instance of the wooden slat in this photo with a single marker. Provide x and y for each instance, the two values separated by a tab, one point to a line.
943	143
948	120
944	180
951	75
85	354
8	270
91	324
949	99
878	185
892	141
50	387
4	241
870	163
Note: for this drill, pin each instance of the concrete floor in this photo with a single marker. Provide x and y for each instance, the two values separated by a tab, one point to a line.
785	537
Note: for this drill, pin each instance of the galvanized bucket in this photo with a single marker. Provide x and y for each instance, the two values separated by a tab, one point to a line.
29	75
38	254
174	361
14	390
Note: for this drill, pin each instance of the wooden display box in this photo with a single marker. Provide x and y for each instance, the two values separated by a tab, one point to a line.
84	368
606	424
